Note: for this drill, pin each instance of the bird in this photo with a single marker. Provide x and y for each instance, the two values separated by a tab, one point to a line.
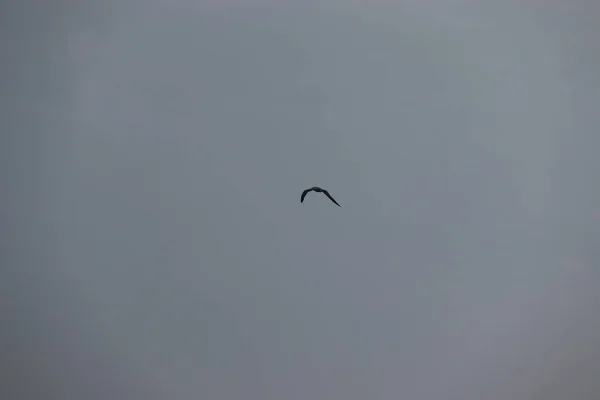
317	189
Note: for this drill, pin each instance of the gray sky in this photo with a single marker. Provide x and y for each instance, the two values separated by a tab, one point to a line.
154	245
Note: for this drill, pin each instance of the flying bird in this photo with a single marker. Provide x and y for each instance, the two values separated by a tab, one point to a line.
317	189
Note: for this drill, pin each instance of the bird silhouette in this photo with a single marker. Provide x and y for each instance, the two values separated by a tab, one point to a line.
317	189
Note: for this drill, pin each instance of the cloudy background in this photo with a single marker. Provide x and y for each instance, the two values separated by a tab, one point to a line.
153	245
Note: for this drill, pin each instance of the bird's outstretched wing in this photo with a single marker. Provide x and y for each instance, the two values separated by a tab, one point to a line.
331	198
304	195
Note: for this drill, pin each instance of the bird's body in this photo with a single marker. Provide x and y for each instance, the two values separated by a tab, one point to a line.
317	189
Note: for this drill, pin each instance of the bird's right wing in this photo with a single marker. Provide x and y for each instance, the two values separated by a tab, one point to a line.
304	195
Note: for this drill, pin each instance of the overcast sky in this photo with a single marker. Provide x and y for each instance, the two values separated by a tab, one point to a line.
154	246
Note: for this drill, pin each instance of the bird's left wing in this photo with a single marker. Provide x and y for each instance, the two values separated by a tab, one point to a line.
331	198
